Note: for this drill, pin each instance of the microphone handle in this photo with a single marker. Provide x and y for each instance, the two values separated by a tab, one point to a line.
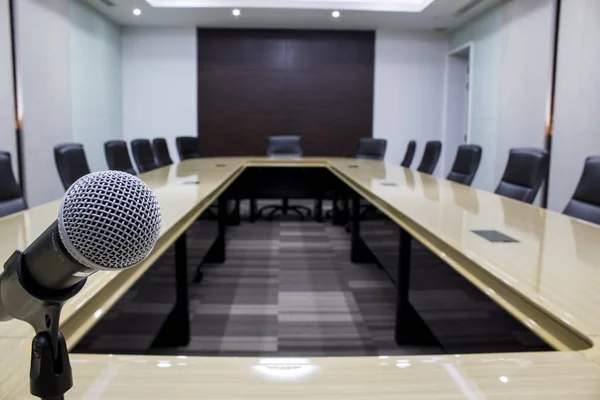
49	265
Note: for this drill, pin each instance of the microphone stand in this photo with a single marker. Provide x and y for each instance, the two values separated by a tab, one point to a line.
50	374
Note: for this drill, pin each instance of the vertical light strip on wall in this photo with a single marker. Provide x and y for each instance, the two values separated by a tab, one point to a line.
17	101
551	100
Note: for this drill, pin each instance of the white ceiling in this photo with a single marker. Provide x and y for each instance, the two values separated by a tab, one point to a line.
364	5
440	14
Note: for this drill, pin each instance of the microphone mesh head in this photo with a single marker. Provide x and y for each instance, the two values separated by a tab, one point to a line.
109	220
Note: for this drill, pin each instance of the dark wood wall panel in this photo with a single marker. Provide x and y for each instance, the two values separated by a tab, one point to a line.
256	83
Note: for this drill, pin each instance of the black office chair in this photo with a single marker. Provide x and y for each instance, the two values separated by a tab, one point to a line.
465	164
283	146
71	163
431	156
11	198
143	155
409	155
371	149
187	147
585	203
162	152
117	156
525	171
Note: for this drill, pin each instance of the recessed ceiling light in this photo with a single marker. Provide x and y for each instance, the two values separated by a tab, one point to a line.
137	11
236	12
335	14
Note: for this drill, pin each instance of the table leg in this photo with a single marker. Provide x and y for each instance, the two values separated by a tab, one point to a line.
359	252
176	329
403	278
235	219
340	214
253	210
319	209
216	254
410	328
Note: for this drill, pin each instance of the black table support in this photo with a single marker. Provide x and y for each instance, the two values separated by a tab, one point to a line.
403	279
340	215
253	210
176	329
319	209
216	253
235	217
359	252
410	328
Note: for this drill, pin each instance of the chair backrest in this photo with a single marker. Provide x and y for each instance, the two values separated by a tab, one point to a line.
465	164
161	150
525	172
284	146
143	155
585	203
187	147
431	156
11	198
117	156
409	155
71	163
371	149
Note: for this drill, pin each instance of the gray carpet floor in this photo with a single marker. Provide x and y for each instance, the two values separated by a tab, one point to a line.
288	288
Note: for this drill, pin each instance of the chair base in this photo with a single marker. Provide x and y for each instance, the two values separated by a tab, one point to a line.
285	208
365	210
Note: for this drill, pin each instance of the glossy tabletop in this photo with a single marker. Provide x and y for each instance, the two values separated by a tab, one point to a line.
565	375
549	280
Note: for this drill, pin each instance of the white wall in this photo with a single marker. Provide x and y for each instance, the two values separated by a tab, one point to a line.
7	113
408	94
577	113
159	84
511	80
527	40
160	87
95	81
69	64
484	32
42	30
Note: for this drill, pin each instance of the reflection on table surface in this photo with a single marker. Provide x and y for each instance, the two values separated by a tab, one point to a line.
451	377
554	265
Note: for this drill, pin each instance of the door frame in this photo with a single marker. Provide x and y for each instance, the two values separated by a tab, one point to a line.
470	47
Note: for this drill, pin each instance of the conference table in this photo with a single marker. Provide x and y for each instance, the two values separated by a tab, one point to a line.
547	277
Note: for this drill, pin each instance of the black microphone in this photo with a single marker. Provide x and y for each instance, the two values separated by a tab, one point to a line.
108	221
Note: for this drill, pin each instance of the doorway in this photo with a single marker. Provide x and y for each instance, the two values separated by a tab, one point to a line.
459	75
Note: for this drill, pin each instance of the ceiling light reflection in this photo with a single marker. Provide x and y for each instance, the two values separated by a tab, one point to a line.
287	369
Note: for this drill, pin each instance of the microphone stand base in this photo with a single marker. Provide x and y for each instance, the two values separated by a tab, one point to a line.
50	375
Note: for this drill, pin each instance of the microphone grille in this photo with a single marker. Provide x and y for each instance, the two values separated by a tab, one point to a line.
109	220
